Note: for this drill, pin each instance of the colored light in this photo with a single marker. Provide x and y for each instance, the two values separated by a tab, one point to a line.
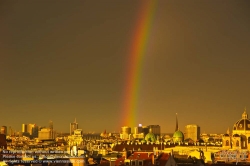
135	62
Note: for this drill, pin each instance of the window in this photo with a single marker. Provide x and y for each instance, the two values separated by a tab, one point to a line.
227	143
237	143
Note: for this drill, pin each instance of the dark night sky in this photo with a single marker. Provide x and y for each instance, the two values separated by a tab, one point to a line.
65	59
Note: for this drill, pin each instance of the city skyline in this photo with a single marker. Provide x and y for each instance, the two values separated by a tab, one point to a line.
183	129
61	60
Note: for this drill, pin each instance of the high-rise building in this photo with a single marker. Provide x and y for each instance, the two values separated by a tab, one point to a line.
126	132
155	129
4	130
32	129
138	130
35	130
24	128
145	130
51	129
51	125
11	131
192	131
73	127
138	133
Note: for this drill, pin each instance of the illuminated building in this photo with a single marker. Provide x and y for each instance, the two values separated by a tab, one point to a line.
145	130
11	131
150	137
138	132
32	129
178	136
240	137
76	138
73	127
4	130
192	131
126	132
45	133
155	129
52	133
24	128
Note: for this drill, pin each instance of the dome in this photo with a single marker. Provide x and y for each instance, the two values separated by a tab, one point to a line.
178	136
243	123
226	135
150	137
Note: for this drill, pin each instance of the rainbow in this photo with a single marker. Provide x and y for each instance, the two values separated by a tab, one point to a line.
136	56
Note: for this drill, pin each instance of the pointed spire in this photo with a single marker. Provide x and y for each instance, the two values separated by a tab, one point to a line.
75	120
244	115
228	131
176	125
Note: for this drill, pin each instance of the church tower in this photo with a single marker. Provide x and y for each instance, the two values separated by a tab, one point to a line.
176	125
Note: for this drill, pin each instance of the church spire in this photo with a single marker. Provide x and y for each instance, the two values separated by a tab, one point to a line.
244	115
176	125
228	131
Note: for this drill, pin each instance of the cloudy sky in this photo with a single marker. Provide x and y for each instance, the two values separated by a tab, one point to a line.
61	60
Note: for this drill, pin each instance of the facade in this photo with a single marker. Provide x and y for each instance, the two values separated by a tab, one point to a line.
138	136
125	133
138	130
76	138
4	130
11	132
52	132
73	126
51	125
32	129
91	136
35	131
240	136
145	130
192	131
155	129
45	133
24	128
